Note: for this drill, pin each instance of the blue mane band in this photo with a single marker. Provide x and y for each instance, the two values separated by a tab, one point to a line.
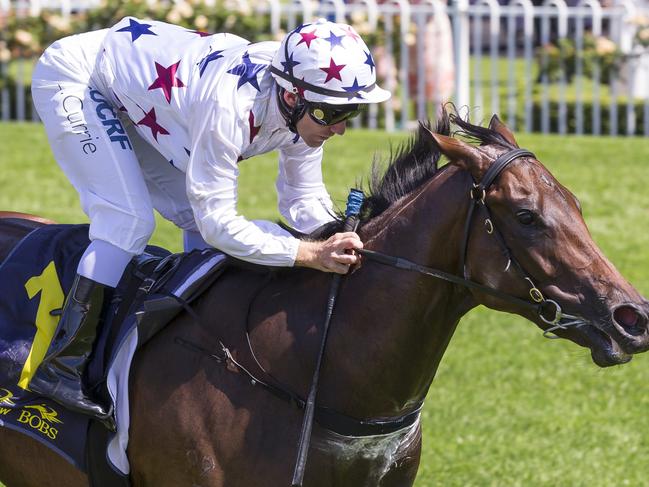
354	202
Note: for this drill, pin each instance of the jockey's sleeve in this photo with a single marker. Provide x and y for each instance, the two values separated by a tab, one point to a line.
302	196
217	138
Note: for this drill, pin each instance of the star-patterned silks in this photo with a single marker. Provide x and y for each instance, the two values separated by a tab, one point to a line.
333	71
308	38
247	72
166	80
370	62
136	30
300	90
311	50
202	65
199	33
289	64
179	131
150	121
334	40
121	107
353	90
253	130
349	32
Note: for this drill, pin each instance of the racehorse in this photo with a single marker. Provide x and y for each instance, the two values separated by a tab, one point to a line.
494	227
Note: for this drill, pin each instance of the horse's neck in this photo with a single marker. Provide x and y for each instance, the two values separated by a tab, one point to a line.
392	326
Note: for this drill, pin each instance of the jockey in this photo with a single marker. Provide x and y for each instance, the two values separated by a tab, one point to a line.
148	115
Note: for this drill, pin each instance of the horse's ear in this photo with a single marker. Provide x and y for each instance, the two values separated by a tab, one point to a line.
497	126
463	154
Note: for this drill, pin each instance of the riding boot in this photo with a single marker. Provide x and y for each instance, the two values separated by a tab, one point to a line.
59	376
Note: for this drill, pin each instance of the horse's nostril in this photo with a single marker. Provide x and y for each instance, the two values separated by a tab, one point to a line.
629	319
626	316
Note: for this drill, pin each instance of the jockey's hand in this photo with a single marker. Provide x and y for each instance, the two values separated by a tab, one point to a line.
332	255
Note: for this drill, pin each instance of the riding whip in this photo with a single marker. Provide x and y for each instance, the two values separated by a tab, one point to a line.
354	202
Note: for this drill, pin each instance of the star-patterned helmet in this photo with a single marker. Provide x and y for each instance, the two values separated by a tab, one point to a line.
326	62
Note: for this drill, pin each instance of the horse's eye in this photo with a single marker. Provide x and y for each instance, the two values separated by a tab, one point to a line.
525	217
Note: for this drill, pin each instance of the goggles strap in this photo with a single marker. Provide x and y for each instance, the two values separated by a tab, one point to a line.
297	113
291	115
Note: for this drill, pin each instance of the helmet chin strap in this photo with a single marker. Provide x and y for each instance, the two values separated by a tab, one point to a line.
291	114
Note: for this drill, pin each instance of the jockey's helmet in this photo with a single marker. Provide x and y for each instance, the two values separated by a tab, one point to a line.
330	69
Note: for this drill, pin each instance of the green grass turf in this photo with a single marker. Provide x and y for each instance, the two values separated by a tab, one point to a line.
508	407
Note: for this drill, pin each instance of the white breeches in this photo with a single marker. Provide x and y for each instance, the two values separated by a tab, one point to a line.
120	178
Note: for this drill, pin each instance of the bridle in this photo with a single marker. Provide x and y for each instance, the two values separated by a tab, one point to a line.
548	310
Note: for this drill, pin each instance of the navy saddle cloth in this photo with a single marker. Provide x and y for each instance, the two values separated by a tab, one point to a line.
34	280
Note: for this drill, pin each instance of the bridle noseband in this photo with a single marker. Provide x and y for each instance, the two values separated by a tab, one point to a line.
548	310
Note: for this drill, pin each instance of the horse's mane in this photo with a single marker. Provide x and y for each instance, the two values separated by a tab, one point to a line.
411	165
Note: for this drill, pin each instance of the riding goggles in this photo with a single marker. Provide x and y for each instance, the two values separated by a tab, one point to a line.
325	114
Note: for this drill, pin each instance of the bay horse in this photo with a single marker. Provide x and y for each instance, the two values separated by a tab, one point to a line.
492	220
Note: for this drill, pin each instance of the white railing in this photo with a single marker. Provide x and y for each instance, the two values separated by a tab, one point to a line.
493	65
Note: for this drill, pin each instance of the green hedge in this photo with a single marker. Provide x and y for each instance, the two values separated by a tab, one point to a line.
571	109
9	84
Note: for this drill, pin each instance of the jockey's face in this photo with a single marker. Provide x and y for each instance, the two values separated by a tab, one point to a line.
313	133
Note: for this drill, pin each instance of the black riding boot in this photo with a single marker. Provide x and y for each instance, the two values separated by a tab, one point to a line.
59	376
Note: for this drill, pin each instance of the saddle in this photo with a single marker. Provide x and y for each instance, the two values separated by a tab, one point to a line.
34	280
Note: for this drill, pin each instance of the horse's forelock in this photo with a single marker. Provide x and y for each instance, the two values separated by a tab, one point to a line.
483	135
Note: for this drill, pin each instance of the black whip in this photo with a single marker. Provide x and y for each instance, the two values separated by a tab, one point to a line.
354	202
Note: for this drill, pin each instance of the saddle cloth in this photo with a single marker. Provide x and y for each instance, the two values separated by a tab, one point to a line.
34	280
